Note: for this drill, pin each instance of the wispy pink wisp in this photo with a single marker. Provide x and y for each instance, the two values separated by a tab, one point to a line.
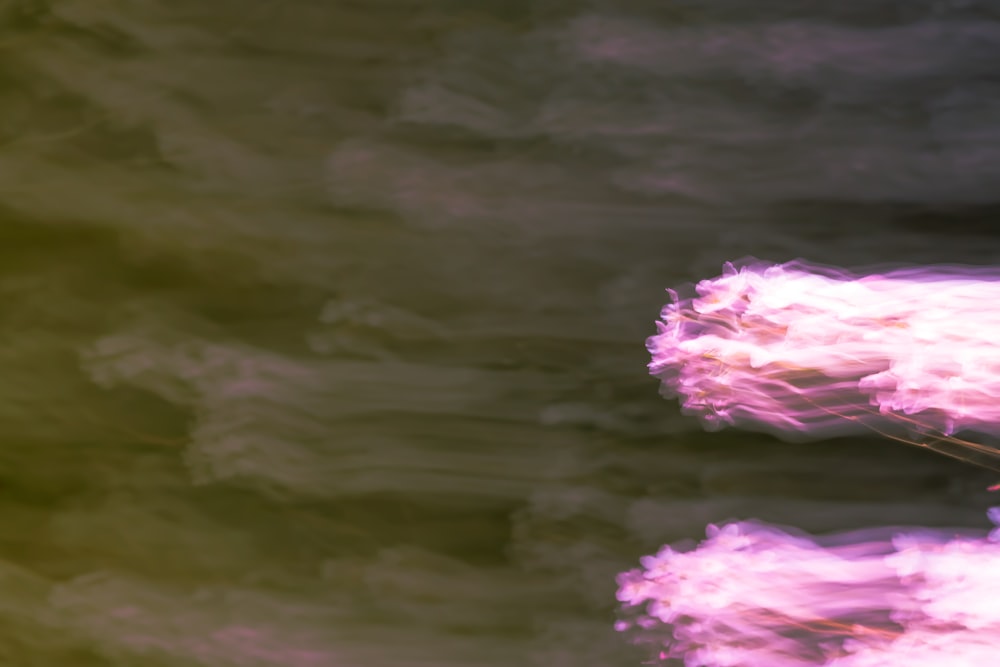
751	595
807	351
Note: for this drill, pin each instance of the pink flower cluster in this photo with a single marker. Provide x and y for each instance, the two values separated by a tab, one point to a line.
806	351
757	596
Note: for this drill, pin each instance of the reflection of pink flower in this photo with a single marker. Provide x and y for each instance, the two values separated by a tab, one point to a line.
762	597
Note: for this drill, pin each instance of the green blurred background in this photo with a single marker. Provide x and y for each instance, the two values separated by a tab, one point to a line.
322	322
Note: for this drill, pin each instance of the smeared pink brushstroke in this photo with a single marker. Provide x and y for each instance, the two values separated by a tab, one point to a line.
807	351
757	596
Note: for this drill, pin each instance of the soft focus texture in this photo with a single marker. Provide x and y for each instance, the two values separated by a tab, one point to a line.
803	351
321	320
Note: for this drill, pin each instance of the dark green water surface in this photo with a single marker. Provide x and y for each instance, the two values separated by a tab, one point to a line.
321	323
